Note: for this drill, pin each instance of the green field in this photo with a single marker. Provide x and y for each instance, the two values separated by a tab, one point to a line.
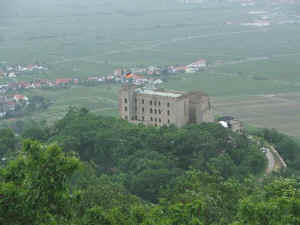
81	39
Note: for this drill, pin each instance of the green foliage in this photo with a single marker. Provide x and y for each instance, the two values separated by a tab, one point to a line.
34	187
129	175
288	148
36	131
278	203
150	157
8	141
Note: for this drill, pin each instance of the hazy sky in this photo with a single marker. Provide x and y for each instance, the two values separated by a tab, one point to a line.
36	7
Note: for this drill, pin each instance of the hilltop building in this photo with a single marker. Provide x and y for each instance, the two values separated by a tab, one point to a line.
159	107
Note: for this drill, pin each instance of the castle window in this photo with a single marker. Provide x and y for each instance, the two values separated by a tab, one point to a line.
143	118
125	100
158	103
150	102
125	108
151	110
143	101
168	104
159	111
168	121
155	125
168	112
151	119
143	109
159	120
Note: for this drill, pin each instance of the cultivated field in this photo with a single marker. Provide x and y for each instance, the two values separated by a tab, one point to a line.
280	111
254	73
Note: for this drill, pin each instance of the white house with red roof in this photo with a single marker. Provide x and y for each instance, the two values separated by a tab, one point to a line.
118	72
196	66
201	63
11	105
18	98
63	81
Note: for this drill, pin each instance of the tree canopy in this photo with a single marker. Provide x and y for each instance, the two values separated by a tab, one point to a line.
89	169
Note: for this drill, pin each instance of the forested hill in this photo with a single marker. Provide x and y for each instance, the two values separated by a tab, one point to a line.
88	169
118	147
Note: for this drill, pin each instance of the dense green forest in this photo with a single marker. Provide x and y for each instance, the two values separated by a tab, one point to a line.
88	169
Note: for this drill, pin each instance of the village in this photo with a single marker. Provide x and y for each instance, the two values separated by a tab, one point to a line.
12	71
11	101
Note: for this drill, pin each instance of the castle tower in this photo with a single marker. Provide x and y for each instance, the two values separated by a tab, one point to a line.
127	103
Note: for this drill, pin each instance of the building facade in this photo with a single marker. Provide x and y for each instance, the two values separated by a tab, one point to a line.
158	107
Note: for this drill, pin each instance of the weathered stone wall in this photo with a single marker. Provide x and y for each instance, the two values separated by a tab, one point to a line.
159	110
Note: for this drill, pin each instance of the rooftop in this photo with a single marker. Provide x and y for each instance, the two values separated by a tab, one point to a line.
158	93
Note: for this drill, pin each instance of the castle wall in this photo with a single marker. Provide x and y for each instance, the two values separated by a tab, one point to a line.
200	108
160	108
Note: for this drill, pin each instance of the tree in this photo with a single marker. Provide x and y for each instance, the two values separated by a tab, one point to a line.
278	203
8	141
34	187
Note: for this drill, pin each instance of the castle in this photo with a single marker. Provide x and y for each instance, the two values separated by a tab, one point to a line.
158	107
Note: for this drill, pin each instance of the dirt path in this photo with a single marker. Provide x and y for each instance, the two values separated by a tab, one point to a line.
275	161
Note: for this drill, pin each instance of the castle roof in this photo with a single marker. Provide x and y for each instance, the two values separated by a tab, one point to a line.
158	93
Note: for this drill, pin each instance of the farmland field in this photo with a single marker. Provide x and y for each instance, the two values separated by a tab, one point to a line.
247	64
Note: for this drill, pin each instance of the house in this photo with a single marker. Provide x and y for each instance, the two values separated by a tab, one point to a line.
180	69
30	67
18	98
191	70
138	79
9	68
230	122
158	81
118	72
3	86
12	75
92	78
76	81
11	106
63	81
110	77
25	85
2	114
201	63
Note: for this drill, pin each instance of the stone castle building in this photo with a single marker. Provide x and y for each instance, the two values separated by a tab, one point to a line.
158	107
